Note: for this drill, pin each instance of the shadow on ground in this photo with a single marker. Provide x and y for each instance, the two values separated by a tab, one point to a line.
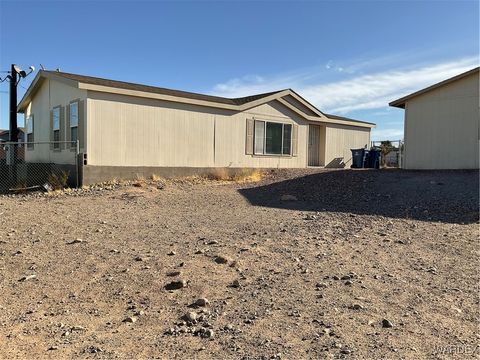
445	196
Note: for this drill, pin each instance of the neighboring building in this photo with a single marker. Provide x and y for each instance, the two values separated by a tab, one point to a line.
442	124
5	137
126	129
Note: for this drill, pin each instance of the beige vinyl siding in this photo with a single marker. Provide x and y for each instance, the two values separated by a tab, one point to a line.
129	131
442	127
339	139
49	95
141	132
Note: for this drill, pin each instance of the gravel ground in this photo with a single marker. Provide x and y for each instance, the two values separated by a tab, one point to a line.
303	264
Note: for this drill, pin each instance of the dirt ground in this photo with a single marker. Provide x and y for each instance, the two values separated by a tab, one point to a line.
303	264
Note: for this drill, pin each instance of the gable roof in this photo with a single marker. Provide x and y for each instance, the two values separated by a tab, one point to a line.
303	107
400	103
159	90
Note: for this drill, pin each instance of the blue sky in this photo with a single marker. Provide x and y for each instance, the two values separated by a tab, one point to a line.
347	57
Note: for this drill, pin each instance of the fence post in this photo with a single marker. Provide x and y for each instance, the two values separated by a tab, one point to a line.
77	159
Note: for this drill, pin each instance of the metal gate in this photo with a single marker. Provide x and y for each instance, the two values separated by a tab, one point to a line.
26	166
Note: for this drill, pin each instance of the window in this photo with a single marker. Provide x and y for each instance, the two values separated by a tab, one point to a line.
29	126
56	128
272	138
73	123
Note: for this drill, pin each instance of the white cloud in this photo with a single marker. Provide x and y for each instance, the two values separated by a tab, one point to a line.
384	134
361	92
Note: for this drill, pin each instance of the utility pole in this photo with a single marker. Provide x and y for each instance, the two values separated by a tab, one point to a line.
13	137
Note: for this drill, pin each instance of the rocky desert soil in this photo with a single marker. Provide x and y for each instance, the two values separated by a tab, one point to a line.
307	264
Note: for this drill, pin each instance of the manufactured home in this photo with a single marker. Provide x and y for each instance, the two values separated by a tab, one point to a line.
442	124
125	129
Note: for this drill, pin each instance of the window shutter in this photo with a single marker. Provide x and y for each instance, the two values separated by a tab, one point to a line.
81	123
62	127
68	134
51	129
295	140
249	138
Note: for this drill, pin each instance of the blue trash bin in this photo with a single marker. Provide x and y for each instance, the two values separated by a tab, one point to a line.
366	156
358	158
373	159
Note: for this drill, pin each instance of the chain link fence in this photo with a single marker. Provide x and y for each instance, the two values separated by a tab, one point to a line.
391	152
29	166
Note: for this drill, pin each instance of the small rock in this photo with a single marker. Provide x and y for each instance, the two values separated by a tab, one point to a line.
28	277
138	258
190	316
93	349
222	259
174	273
202	302
357	307
53	348
76	241
235	284
348	282
208	333
386	323
321	285
171	253
175	285
130	319
78	328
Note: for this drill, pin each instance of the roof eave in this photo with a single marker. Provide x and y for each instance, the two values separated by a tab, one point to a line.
400	103
37	81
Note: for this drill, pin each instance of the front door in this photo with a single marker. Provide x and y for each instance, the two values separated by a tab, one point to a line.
313	145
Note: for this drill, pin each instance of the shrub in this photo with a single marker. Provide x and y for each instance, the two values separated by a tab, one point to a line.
58	182
242	175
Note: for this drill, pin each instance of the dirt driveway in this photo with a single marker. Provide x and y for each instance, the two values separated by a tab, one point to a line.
304	264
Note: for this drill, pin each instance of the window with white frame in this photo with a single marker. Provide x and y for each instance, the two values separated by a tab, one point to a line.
29	127
73	123
272	138
56	127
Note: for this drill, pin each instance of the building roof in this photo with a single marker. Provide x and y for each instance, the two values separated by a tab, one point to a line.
400	103
90	83
159	90
331	116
